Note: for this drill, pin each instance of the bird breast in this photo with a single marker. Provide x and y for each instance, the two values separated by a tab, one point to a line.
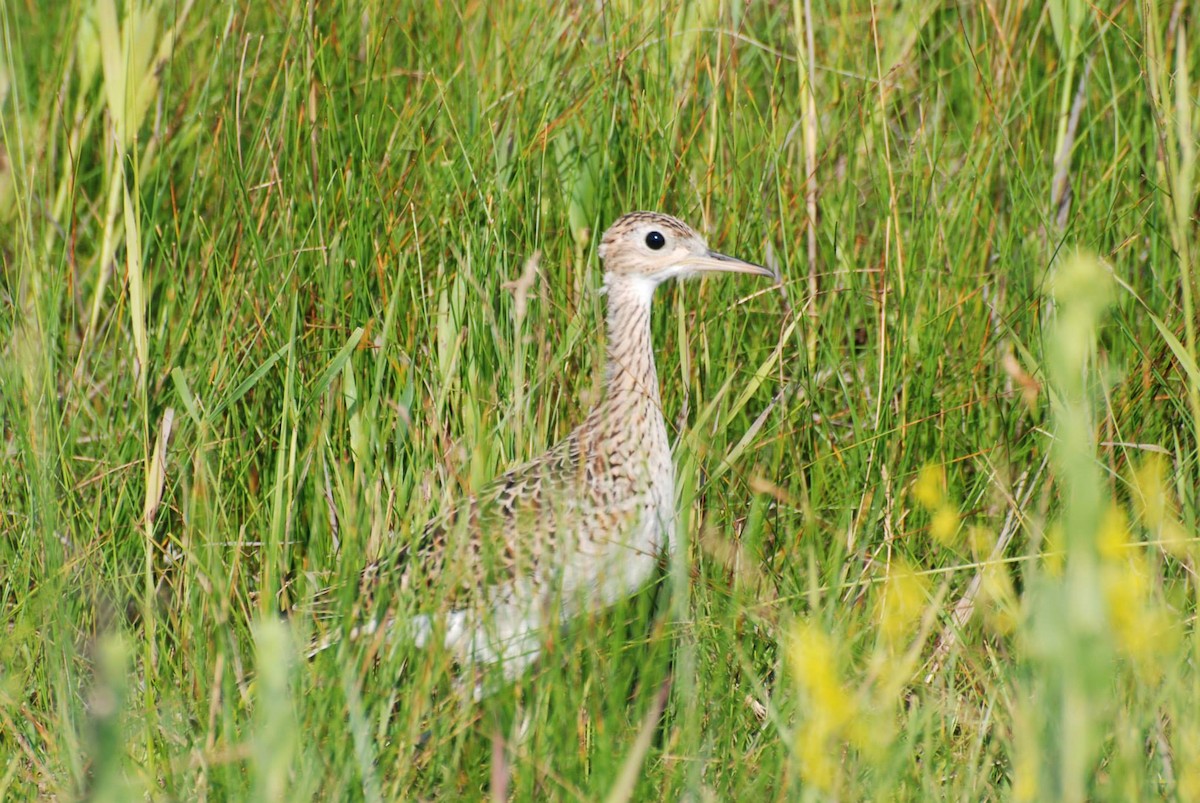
622	537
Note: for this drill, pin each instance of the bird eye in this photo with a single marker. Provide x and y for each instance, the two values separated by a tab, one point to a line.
655	240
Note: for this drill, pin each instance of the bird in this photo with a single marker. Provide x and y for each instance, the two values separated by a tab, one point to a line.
573	530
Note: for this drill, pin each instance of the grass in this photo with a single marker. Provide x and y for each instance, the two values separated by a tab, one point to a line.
938	504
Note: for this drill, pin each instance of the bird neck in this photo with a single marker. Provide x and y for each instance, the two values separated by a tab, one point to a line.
630	375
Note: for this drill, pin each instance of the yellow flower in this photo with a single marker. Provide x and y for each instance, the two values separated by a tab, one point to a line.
944	526
814	662
1113	539
816	757
899	607
1142	629
930	487
830	710
1151	499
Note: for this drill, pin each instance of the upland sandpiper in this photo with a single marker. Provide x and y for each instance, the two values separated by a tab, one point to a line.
579	527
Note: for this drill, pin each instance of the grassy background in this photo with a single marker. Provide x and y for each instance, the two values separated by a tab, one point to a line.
938	495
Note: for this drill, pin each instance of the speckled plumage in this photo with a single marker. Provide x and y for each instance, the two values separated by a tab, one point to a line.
579	527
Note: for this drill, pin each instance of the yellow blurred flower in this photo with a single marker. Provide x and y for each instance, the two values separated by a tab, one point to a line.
930	487
814	662
899	607
1114	539
1151	499
944	526
829	708
1143	630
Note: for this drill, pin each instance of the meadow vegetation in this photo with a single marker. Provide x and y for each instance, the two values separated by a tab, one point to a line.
264	309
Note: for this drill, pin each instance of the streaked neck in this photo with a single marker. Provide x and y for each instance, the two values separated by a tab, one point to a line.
630	375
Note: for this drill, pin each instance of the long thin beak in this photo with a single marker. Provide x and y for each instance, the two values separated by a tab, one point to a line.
714	262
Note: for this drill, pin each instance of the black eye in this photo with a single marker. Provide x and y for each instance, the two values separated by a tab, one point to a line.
655	240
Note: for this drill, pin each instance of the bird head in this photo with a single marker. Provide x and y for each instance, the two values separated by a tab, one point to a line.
649	248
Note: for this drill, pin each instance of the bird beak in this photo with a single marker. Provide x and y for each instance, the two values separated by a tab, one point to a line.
714	262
